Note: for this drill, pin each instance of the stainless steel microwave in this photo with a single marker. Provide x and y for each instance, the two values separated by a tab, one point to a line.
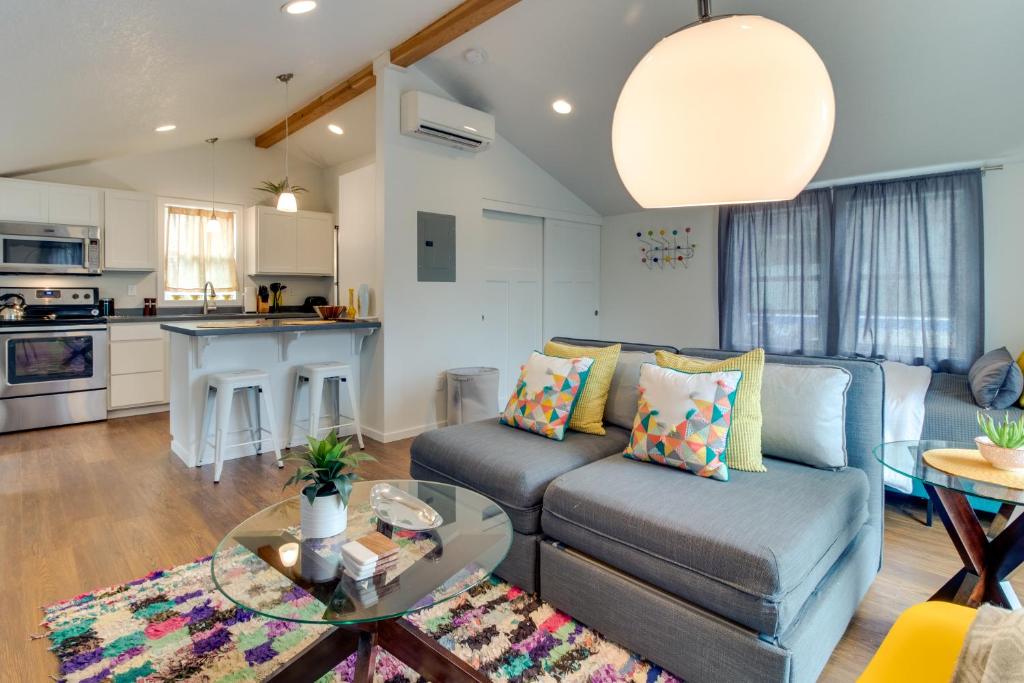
47	248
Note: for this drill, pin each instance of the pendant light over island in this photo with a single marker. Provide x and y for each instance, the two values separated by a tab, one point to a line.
286	199
728	110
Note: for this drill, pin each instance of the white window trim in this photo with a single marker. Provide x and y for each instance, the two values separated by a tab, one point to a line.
161	210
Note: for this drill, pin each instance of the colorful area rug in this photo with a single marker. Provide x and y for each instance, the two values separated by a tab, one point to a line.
174	625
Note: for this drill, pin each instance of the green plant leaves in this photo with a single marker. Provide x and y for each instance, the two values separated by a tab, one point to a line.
275	189
328	466
1006	434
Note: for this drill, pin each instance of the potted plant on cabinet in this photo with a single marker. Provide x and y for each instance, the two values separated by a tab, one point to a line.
275	189
1003	443
327	469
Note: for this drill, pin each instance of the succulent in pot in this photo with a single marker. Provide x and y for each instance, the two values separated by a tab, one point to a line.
326	472
1003	442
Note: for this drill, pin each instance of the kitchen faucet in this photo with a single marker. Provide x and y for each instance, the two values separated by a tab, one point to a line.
207	304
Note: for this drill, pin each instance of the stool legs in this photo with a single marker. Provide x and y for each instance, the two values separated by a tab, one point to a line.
204	431
252	414
355	408
265	392
316	396
293	411
223	418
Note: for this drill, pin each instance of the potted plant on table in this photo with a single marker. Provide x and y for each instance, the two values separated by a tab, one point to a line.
327	470
1003	443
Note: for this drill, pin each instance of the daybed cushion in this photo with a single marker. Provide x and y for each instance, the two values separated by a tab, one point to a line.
752	550
950	413
512	467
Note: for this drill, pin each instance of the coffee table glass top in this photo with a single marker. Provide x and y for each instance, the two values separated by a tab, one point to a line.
265	566
907	457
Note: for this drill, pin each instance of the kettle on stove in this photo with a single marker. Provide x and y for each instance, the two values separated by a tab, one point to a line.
12	311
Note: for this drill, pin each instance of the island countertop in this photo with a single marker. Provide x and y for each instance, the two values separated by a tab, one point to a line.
216	328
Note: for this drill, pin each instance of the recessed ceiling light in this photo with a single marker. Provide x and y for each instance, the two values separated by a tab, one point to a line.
475	55
335	128
166	128
561	106
299	6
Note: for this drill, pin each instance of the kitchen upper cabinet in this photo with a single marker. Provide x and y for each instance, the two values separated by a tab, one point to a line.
34	202
23	201
130	233
73	205
315	243
280	243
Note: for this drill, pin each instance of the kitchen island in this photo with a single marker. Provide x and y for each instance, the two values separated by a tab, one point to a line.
276	346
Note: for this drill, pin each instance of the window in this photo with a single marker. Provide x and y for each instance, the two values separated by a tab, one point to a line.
890	269
194	255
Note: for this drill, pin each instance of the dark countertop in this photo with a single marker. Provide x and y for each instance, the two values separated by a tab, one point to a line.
194	328
169	315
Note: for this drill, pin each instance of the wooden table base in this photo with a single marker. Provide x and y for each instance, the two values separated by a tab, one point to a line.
989	557
401	639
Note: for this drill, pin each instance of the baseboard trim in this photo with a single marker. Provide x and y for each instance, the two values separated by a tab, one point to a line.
115	413
387	437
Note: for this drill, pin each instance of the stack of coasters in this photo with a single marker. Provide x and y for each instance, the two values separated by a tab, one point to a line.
369	556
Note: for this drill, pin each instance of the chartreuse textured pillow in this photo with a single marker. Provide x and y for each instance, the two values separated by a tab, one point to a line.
546	394
744	452
589	413
682	419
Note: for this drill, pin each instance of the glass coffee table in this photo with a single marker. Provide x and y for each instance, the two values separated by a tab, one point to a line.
989	555
265	566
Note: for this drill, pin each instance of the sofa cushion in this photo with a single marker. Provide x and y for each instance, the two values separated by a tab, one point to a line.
753	550
950	413
588	415
996	380
546	394
804	413
510	466
623	395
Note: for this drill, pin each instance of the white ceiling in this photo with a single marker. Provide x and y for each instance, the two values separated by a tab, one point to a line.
918	82
91	80
359	121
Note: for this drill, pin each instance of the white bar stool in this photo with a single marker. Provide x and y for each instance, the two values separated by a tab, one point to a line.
317	376
220	392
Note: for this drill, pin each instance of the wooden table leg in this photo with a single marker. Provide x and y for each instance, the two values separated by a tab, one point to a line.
366	657
991	561
425	655
318	658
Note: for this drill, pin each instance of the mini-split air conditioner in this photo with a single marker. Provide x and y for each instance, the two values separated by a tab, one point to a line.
445	122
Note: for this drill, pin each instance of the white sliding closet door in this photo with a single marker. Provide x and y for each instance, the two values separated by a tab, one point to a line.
572	270
513	287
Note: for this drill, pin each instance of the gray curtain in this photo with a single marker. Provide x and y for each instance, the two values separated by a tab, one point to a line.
907	271
773	274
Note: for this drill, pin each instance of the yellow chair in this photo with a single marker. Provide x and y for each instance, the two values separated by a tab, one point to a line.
923	645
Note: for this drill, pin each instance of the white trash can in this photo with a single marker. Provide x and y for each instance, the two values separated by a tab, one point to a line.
472	394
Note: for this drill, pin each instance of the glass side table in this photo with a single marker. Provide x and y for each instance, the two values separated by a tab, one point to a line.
989	555
263	565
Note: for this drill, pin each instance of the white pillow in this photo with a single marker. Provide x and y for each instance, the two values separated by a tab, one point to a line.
804	413
546	393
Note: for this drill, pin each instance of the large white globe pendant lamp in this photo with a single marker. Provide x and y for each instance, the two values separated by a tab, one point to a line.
728	110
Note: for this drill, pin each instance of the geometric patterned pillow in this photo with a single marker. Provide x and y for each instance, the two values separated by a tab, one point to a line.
546	394
683	419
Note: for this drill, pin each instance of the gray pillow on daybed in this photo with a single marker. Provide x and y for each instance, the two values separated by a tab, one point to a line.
996	380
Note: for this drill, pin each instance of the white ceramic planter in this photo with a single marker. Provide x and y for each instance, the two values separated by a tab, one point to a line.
1001	458
327	516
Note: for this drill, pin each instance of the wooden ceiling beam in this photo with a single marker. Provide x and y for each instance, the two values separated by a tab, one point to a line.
464	18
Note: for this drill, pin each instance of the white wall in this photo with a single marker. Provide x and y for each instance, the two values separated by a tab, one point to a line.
185	174
674	307
1004	256
692	294
428	327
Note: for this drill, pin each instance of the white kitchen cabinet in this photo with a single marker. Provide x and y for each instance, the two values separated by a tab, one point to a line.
138	365
315	243
73	205
23	201
129	231
35	202
280	243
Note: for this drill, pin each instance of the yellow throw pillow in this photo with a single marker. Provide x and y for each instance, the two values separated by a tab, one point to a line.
744	449
589	412
1020	362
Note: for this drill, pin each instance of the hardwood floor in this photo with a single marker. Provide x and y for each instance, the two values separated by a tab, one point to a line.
91	505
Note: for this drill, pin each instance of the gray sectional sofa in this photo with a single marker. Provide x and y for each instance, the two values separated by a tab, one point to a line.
754	579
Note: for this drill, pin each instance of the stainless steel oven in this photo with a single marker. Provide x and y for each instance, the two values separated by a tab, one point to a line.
46	248
52	375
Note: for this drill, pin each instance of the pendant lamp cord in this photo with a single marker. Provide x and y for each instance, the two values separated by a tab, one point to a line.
703	10
285	78
213	175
